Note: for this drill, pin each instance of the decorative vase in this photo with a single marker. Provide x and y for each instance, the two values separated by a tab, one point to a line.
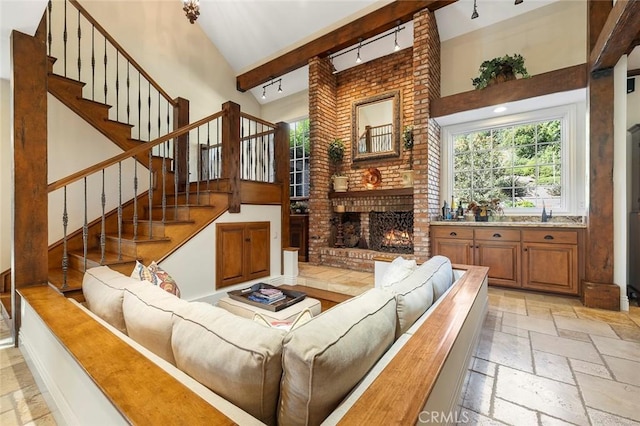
407	178
340	183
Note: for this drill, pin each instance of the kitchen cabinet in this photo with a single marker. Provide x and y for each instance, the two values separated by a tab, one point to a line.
242	252
543	259
299	235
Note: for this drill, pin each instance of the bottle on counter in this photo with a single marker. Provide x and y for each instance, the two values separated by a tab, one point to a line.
545	218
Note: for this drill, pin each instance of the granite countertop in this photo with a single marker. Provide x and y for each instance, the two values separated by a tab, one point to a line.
505	224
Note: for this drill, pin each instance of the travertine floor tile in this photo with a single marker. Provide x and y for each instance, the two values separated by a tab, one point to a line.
627	332
6	403
624	370
31	408
528	323
542	313
484	367
585	367
515	331
478	394
513	414
538	393
617	348
606	395
575	335
586	326
10	356
565	347
551	421
610	317
505	349
47	420
9	418
468	417
508	304
601	418
553	367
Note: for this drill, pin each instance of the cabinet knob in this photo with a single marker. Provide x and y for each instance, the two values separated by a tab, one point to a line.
526	249
496	235
248	240
548	237
453	234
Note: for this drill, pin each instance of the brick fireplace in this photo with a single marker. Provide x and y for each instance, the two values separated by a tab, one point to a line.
415	72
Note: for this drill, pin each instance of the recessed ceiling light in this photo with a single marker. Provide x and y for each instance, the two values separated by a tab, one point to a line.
500	109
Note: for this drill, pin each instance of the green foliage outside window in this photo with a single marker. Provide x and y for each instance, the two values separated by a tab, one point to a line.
519	165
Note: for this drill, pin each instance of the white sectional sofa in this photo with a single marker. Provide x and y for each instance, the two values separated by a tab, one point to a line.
311	375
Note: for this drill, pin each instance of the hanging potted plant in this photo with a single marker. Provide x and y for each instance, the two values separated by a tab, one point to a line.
500	69
407	140
336	154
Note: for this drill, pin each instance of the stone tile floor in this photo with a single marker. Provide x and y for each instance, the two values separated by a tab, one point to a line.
541	360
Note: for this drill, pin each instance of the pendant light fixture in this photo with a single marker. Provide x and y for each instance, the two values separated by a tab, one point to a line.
191	9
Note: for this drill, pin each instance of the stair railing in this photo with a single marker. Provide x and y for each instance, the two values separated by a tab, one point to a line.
87	53
113	176
257	149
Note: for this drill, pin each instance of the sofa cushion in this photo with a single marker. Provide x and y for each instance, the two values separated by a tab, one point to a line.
147	313
103	290
414	295
439	267
326	357
235	357
398	269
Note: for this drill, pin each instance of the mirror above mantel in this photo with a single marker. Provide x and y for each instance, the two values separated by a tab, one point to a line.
375	127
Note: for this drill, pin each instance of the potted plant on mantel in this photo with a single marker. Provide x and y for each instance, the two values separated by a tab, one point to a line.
407	140
498	70
336	154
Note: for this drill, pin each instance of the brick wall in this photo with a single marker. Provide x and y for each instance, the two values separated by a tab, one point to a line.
415	72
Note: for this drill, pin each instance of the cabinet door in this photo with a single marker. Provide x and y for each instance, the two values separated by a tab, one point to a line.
230	254
503	260
258	258
550	267
458	251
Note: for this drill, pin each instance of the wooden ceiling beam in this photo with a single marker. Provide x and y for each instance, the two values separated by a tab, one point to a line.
374	23
618	34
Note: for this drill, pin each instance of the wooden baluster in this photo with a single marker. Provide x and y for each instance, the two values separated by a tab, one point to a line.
65	253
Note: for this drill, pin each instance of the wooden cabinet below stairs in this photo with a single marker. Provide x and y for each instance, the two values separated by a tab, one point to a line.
542	259
242	252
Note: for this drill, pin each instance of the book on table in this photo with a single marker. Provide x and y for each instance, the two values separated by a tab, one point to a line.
267	296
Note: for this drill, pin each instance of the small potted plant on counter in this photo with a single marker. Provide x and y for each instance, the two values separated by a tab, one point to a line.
336	154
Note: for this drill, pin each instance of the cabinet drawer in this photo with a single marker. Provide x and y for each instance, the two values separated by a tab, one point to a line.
497	234
451	232
550	236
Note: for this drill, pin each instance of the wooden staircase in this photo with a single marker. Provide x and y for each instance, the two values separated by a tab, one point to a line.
156	238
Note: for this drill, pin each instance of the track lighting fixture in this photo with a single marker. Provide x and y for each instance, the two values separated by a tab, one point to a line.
475	14
396	46
264	88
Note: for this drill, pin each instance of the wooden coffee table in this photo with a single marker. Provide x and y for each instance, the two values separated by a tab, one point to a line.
327	298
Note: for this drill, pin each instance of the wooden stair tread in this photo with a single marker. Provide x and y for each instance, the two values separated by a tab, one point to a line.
110	258
74	279
141	238
67	80
155	207
166	222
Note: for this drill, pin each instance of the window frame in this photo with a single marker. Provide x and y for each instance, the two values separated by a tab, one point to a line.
573	157
307	156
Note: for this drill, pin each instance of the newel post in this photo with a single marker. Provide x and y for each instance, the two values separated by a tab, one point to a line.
231	152
180	147
282	176
29	259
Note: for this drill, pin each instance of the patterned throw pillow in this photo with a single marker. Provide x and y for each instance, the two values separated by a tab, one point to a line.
162	279
141	272
156	276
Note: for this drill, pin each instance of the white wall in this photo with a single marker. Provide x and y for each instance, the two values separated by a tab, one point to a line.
289	109
549	38
194	265
6	188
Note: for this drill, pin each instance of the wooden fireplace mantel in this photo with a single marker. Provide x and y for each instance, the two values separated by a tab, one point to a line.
398	192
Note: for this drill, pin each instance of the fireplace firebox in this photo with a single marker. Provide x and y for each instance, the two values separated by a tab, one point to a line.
391	231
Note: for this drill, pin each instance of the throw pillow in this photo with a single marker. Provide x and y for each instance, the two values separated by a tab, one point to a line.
141	272
398	270
162	279
303	317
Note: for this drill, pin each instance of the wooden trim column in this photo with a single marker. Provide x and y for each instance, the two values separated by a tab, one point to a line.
180	151
282	177
231	152
599	241
29	257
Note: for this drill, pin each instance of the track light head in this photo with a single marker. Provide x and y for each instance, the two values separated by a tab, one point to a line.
264	93
280	86
518	1
475	14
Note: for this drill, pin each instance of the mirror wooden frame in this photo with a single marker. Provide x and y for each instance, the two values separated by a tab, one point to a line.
394	96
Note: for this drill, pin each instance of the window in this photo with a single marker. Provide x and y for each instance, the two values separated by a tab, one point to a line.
527	161
299	159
